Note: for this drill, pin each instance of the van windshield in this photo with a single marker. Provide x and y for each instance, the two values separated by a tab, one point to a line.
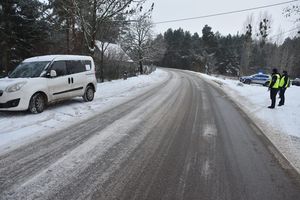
29	69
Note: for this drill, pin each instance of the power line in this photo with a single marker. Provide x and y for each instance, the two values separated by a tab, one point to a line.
225	13
283	33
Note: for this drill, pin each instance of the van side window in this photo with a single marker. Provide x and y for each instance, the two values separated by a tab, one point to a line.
60	68
75	66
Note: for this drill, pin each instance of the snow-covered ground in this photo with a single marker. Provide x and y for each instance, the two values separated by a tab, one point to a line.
281	125
20	127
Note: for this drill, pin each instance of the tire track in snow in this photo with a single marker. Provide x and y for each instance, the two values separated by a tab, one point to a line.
22	163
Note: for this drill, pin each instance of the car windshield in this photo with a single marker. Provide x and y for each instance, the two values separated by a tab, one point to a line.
29	69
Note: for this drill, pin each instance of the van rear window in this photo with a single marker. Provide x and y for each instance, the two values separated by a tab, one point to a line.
87	64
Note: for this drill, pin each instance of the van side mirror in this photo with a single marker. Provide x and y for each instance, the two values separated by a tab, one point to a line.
53	73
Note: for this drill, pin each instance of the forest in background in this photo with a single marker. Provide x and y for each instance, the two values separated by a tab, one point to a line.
32	27
232	55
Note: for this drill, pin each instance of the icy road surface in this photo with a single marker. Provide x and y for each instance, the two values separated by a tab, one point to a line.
281	125
183	139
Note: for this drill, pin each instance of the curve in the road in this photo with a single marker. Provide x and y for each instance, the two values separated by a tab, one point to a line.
182	140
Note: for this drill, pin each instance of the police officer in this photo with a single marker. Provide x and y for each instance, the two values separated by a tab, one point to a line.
283	85
274	87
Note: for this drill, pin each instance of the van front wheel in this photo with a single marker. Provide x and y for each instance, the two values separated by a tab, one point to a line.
89	94
37	103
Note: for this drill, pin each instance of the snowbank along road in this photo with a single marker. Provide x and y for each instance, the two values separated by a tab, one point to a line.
181	140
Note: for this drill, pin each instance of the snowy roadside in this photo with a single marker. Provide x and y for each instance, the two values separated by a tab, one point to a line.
18	128
281	125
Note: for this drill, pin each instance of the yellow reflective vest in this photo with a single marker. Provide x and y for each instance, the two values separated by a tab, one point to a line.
276	84
282	82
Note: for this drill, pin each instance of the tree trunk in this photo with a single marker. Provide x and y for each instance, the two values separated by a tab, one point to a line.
4	61
102	66
140	58
73	21
68	36
94	28
141	66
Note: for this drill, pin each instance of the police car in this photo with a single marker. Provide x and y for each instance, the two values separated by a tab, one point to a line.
260	78
296	81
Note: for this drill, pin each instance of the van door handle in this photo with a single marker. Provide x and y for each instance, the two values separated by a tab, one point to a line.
72	80
69	80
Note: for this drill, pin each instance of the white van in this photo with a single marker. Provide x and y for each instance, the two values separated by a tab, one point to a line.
41	80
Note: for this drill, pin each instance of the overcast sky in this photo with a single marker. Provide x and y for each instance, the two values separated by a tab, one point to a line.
176	9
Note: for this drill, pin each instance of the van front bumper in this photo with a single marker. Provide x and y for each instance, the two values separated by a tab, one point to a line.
15	101
10	104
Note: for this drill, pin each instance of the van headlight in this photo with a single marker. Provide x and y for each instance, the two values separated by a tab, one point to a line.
15	87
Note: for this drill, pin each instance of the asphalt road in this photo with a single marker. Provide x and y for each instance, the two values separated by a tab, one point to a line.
181	140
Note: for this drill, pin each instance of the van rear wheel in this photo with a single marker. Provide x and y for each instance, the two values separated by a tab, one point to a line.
37	103
89	94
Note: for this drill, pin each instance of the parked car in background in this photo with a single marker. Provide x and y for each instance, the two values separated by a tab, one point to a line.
41	80
260	78
296	81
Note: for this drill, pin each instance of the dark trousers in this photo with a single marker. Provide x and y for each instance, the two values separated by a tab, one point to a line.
273	93
281	96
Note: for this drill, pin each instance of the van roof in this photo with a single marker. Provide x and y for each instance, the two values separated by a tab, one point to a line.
56	57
